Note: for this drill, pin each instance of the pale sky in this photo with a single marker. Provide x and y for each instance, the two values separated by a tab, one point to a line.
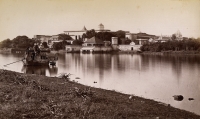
51	17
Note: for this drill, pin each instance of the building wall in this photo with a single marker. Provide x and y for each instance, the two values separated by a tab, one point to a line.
73	48
142	41
55	37
122	41
97	49
115	47
131	36
114	40
42	38
74	34
129	47
103	49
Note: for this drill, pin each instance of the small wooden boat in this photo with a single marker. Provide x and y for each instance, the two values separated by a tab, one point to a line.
39	59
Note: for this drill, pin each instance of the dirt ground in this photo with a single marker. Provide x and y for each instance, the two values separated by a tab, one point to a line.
32	96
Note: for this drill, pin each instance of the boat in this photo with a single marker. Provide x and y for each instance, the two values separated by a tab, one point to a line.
40	58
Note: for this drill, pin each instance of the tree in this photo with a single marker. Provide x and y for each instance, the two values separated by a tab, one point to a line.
104	36
22	42
173	36
127	41
58	46
77	42
89	34
6	43
44	44
120	34
64	37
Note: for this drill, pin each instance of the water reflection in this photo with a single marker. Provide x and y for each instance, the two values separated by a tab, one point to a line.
40	70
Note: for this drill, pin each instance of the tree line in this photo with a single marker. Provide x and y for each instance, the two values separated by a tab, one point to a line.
18	42
173	45
104	36
22	42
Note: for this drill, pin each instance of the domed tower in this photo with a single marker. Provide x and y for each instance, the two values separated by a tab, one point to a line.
101	26
178	34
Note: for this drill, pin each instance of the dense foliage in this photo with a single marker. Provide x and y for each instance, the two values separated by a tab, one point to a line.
174	45
18	42
77	42
89	34
6	43
24	42
45	45
104	36
64	37
59	45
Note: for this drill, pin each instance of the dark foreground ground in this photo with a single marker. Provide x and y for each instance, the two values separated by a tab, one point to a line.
31	96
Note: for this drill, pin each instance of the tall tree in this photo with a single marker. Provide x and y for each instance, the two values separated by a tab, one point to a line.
58	46
6	43
77	42
44	44
105	36
64	37
89	34
22	42
173	36
120	34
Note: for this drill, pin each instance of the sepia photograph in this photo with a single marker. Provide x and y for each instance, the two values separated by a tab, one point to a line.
99	59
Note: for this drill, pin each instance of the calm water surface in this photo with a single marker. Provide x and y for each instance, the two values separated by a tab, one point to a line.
151	76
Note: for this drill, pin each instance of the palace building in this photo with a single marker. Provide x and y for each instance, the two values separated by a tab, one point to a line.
78	33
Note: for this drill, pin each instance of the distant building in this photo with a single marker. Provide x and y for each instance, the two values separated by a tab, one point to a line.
178	35
139	38
94	41
132	47
162	39
42	38
101	28
95	45
54	37
77	34
47	38
115	43
73	48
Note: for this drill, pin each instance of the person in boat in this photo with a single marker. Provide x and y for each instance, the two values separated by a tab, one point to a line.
27	50
36	49
33	56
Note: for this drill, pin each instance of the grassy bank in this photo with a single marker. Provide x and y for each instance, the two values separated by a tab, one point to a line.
33	96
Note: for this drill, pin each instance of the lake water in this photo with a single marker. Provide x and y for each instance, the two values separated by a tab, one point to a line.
156	77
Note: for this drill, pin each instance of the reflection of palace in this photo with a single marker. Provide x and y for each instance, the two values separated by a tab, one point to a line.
40	70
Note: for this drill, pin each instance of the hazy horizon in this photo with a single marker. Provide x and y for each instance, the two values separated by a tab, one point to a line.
51	17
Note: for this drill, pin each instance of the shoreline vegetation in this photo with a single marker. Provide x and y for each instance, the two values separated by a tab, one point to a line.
36	96
169	52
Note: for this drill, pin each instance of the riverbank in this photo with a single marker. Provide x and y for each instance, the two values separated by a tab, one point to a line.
172	53
35	96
